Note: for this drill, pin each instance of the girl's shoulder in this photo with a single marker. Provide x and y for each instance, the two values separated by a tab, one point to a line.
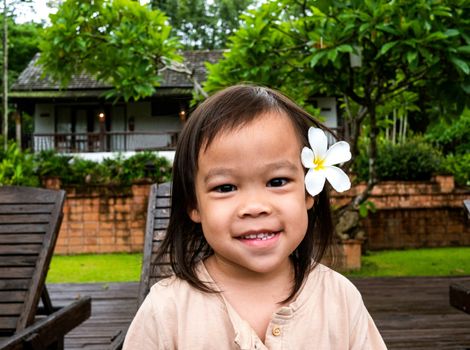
175	288
323	278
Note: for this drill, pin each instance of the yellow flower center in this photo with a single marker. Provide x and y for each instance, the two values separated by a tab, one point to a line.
319	164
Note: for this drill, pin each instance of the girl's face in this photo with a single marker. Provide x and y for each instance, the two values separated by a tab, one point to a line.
251	199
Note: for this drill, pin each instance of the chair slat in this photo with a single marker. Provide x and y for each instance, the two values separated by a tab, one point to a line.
8	324
15	238
38	218
12	309
18	260
23	228
7	208
18	249
12	296
13	284
17	272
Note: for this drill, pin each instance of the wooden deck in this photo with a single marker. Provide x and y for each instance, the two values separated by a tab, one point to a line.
411	313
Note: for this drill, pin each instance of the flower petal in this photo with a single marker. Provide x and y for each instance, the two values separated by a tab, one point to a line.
307	157
337	178
338	153
318	142
314	181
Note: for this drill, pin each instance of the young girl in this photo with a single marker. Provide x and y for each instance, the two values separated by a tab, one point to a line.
245	237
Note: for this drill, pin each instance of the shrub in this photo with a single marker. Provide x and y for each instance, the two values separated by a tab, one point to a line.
459	166
451	138
22	168
414	160
146	165
17	167
52	164
86	172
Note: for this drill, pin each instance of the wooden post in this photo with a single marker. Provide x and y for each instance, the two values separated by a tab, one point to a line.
102	131
18	128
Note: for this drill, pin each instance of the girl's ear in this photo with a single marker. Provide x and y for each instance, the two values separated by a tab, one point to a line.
309	202
194	215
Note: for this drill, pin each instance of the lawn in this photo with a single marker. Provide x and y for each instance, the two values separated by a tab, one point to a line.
416	262
95	268
126	267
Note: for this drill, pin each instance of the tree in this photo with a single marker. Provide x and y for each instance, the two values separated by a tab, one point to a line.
5	82
24	44
117	41
200	24
366	51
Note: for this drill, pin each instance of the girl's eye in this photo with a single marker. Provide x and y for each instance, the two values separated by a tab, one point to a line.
278	182
225	188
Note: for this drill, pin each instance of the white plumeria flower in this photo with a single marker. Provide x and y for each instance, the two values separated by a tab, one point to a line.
320	162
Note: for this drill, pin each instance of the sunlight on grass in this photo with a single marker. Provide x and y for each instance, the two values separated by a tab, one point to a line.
127	267
416	262
95	268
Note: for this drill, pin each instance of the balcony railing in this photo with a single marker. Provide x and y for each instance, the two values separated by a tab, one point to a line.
104	142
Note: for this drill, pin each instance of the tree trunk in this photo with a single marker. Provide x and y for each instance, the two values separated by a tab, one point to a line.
373	146
5	74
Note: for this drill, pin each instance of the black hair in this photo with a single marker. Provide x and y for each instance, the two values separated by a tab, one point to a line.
184	244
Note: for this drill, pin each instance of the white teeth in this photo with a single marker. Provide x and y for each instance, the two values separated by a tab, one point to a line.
261	236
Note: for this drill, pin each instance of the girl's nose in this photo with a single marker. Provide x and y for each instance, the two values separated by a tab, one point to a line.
253	205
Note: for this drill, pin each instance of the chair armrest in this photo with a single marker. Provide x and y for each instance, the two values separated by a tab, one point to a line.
459	296
52	328
118	340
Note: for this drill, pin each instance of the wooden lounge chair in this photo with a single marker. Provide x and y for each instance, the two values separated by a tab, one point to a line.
158	214
459	293
30	219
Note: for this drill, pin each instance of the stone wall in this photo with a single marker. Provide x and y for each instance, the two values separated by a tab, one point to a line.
409	214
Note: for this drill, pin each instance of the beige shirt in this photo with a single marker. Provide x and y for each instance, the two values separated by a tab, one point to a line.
328	313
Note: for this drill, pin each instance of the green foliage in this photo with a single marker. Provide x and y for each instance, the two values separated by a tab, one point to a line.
52	164
406	43
308	48
452	137
414	160
366	207
85	172
146	165
22	168
459	166
23	44
119	42
111	171
17	167
202	24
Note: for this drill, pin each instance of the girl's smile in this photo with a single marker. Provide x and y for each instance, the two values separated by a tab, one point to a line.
251	199
260	239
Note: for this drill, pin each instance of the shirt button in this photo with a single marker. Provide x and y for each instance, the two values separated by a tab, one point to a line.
276	331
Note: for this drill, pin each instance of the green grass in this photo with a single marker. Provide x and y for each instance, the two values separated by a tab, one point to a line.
126	267
416	262
95	268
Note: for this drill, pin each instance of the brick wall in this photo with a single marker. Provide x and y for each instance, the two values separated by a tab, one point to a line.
409	214
415	214
103	220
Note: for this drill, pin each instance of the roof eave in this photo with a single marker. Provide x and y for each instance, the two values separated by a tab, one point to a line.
97	93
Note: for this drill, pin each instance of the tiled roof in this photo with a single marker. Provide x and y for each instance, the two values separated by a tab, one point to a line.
30	79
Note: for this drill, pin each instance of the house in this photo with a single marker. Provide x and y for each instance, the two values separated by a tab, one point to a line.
80	120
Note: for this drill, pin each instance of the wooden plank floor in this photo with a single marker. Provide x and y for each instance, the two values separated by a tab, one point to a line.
411	313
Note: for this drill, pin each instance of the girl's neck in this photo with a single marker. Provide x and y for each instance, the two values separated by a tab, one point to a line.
230	277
